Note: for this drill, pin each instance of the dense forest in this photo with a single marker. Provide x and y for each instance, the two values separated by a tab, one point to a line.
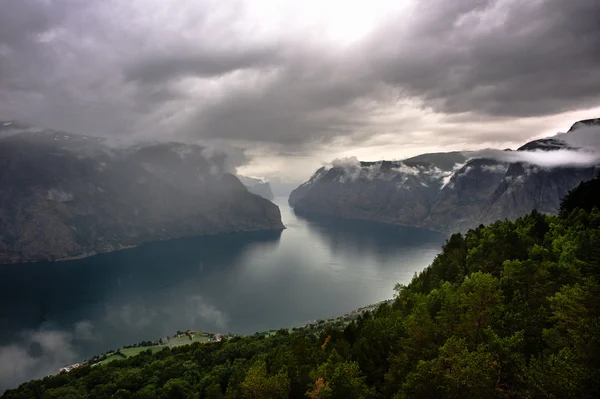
508	310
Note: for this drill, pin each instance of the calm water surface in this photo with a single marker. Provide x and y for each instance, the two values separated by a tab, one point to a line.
53	314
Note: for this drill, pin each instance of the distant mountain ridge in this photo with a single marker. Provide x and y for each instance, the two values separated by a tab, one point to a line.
65	195
447	192
257	186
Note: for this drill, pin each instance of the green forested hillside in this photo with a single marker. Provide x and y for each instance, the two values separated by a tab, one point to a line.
509	310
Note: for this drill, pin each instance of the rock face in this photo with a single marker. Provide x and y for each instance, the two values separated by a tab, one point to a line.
257	186
65	195
447	192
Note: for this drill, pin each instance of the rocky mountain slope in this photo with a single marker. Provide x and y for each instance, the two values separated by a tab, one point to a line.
448	192
65	195
257	186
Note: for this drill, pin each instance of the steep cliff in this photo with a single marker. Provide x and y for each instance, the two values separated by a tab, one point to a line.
447	192
65	195
257	186
399	192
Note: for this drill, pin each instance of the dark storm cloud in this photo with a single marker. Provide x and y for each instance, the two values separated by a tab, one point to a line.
190	71
198	62
22	25
492	58
507	58
23	20
297	105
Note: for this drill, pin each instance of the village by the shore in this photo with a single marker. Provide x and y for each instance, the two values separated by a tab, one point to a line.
343	319
179	338
190	336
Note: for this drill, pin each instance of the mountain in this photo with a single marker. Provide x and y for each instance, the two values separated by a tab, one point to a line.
65	195
283	187
584	123
447	192
386	191
257	186
457	205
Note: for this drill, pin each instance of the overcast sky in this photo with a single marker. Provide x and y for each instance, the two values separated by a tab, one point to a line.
296	84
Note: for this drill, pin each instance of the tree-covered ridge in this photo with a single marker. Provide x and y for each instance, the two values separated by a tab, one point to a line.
508	310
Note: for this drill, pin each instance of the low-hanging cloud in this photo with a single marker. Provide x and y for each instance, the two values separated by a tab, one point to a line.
581	149
222	157
85	331
584	137
345	163
201	312
352	169
130	316
545	159
42	352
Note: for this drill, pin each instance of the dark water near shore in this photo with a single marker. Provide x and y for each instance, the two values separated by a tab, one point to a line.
53	314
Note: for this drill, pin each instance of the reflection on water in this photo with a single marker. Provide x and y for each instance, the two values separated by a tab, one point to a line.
352	238
52	314
33	294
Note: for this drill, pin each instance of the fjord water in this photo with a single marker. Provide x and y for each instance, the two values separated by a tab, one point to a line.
52	314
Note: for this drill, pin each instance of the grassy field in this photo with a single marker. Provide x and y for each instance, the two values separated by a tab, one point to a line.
128	352
184	339
174	341
202	337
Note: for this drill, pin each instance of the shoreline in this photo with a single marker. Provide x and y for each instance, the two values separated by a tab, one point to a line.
214	337
308	214
353	313
126	247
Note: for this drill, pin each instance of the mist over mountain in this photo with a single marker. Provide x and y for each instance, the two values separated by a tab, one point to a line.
66	195
257	186
456	191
